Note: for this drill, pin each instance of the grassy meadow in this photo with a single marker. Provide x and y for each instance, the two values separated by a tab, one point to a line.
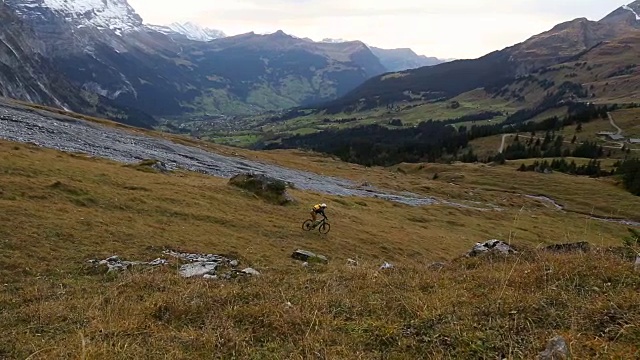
61	210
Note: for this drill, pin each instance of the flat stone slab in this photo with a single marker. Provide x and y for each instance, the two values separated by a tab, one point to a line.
198	269
304	255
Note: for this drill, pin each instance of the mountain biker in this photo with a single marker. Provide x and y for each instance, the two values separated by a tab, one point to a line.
318	209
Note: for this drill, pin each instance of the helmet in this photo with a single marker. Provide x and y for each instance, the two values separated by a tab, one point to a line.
324	205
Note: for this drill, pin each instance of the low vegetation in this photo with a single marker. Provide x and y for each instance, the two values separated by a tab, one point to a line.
62	210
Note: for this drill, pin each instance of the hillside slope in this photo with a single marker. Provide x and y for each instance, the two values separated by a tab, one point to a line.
558	45
58	305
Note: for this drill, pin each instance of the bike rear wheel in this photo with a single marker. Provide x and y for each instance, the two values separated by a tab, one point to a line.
307	225
324	228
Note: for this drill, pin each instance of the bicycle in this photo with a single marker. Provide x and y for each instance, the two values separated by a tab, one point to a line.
323	226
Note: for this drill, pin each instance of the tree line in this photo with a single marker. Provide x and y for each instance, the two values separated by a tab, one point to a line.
429	141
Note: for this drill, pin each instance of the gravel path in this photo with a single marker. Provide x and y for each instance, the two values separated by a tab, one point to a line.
72	135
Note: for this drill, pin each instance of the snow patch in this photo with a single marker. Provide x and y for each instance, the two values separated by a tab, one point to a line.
116	15
626	7
190	30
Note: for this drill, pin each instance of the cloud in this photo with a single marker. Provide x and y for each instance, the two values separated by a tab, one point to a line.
461	29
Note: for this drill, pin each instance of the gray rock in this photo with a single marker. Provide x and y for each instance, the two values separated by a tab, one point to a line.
161	167
158	262
210	277
557	349
308	256
114	263
352	262
234	263
386	265
198	269
491	246
251	271
636	266
197	257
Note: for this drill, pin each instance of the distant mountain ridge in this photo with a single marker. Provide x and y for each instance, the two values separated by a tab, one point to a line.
494	70
104	47
190	30
403	59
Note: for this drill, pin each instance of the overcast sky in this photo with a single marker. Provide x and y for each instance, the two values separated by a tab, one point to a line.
442	28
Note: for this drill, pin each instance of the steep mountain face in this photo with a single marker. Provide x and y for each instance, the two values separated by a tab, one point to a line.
403	59
626	14
395	60
189	30
72	26
25	74
104	47
21	65
563	43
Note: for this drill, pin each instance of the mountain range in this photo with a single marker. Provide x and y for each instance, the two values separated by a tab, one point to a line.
103	48
99	57
189	30
496	71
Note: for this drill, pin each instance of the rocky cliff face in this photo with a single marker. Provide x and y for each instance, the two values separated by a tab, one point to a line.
104	47
24	73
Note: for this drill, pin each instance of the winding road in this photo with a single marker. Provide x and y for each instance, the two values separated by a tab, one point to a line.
504	137
613	123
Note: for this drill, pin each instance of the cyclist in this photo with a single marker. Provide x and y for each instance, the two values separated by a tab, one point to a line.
318	209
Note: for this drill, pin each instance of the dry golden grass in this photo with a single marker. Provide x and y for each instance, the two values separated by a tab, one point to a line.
59	210
475	182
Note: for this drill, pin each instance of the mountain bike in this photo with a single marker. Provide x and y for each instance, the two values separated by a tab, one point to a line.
323	226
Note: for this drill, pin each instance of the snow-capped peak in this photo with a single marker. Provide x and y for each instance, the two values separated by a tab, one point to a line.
626	7
116	15
191	31
333	41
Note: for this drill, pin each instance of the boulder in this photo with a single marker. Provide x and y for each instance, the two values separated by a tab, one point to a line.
114	263
557	349
386	265
308	256
198	269
265	187
251	271
491	246
199	257
161	167
582	246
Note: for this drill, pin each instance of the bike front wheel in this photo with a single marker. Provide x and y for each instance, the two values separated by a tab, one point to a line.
324	228
307	225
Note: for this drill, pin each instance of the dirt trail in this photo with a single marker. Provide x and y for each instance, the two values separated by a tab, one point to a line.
613	123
